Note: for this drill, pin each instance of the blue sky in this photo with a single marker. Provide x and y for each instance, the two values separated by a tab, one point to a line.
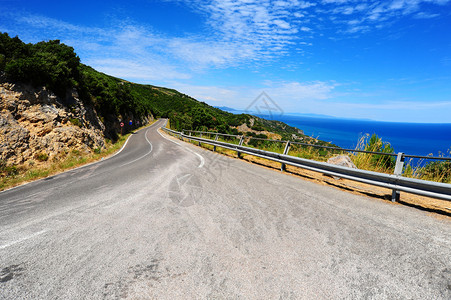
380	60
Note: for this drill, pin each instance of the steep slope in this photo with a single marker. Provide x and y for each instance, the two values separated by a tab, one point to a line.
52	104
36	126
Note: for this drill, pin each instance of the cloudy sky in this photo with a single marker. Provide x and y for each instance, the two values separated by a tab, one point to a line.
380	60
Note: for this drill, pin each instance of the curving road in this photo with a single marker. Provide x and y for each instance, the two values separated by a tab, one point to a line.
167	220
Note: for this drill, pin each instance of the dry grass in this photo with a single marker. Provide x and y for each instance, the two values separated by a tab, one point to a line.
367	161
432	171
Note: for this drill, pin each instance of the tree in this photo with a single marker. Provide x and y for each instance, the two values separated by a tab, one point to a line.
375	144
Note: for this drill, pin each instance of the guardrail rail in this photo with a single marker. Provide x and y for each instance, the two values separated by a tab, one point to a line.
391	181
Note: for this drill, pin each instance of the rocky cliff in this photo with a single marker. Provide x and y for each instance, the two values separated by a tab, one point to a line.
37	126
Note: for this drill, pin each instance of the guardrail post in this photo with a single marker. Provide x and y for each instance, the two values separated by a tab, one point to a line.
398	171
216	138
200	137
283	167
240	143
189	140
241	140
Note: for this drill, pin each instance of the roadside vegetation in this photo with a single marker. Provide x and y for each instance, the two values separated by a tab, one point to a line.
439	171
57	66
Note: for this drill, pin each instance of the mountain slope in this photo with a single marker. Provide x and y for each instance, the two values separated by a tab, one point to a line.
49	74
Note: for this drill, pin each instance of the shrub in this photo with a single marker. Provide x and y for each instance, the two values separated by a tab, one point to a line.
11	171
7	170
258	127
374	162
75	122
42	156
375	144
437	171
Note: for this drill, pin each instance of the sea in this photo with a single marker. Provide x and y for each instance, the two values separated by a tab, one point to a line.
410	138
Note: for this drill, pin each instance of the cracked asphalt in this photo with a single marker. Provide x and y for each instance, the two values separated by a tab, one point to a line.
164	219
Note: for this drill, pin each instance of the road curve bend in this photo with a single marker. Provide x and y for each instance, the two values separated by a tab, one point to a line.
167	220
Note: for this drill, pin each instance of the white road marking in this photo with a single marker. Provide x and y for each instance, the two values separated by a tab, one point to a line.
202	160
129	138
151	148
80	167
22	239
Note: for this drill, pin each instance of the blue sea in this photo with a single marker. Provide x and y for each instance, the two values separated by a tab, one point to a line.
410	138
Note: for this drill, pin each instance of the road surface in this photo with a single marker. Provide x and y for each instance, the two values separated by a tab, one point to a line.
167	220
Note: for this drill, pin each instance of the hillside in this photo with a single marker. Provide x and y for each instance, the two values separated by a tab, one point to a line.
44	85
118	98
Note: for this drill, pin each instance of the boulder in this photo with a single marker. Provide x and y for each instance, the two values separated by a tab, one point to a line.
341	160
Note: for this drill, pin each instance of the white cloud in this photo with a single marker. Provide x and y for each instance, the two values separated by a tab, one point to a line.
136	70
376	14
213	95
288	95
299	91
282	24
317	97
241	31
238	32
423	15
400	105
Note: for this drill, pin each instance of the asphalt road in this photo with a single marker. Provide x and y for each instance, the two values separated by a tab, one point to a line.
172	221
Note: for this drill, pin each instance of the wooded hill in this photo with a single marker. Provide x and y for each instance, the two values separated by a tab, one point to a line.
57	67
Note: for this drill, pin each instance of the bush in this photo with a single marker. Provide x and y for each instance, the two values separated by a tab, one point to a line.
258	127
42	156
75	122
437	171
7	170
375	144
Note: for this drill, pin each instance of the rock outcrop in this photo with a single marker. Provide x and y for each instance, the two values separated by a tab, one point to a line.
341	160
36	125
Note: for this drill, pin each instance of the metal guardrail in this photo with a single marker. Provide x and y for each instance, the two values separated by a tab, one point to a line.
321	146
395	182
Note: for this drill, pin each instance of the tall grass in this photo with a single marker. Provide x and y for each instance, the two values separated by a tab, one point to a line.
433	170
439	171
374	162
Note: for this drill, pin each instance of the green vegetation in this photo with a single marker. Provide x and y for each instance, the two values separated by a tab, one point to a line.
436	171
49	64
57	67
42	156
76	122
374	162
7	171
